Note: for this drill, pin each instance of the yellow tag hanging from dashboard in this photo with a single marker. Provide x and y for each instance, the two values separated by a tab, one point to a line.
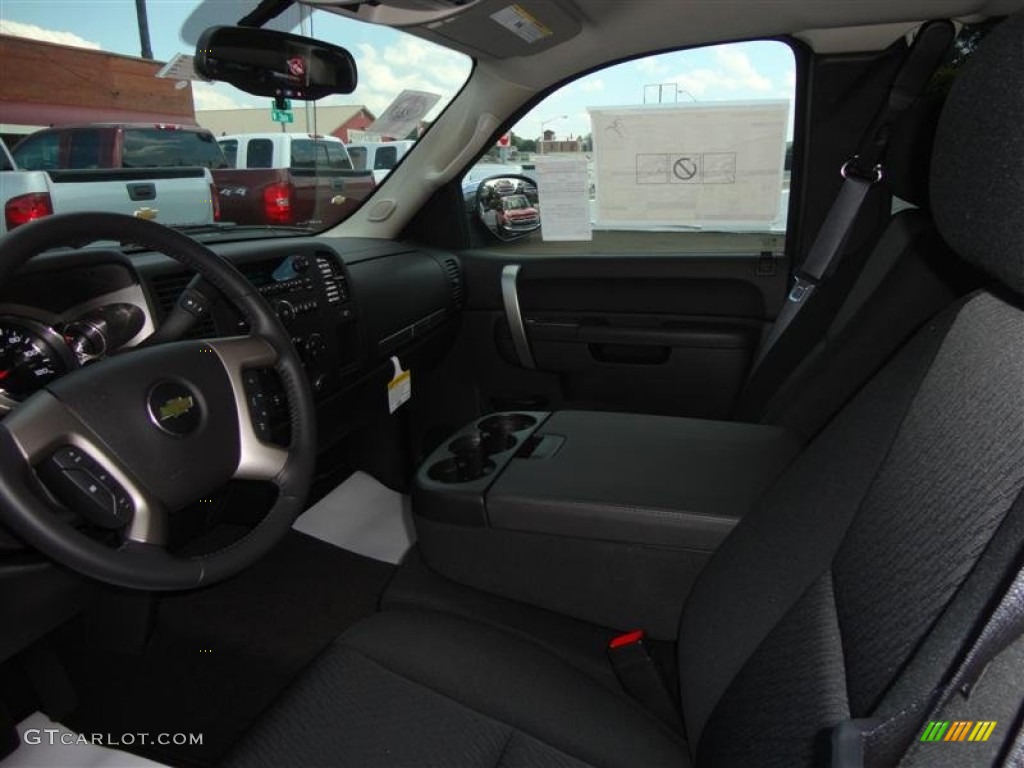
400	386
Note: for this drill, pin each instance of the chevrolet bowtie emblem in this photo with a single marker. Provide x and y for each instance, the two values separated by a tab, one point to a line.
175	407
149	214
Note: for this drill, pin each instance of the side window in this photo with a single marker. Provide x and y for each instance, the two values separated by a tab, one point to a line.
683	151
85	149
337	158
321	155
259	153
358	155
385	159
38	153
304	154
170	148
230	148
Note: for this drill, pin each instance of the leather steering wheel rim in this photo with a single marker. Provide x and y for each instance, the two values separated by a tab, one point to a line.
64	412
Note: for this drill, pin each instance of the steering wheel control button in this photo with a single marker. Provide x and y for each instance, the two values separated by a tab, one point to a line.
260	399
69	458
86	488
174	408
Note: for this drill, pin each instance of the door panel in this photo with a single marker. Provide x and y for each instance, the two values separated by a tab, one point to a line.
672	334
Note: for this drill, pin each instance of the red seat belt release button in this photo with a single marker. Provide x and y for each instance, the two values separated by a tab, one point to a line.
640	677
629	638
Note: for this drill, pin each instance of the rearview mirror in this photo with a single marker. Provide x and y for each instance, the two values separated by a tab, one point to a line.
508	206
264	62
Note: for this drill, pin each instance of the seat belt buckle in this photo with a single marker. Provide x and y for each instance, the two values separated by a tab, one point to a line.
640	677
802	288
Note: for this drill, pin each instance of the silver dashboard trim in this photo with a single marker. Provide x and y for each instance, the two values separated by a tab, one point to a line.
257	460
42	424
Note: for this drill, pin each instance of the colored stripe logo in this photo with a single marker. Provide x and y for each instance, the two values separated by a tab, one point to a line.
958	730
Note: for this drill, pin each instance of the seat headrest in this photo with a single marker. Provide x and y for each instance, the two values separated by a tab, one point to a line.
977	170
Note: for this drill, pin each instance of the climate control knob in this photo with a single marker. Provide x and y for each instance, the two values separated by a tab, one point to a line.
284	310
314	345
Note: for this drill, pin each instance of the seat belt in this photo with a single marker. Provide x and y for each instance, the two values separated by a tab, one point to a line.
640	678
860	173
874	742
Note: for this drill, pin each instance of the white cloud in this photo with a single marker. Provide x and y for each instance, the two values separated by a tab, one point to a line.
409	63
592	85
210	96
737	65
734	73
33	32
651	66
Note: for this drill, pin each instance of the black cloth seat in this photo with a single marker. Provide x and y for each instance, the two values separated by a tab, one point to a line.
849	592
423	688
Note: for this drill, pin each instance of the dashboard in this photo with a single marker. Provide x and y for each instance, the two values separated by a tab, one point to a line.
350	305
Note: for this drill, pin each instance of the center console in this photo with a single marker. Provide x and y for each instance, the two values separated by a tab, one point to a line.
310	292
608	517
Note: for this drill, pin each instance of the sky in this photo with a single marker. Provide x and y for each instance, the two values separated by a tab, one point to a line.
390	61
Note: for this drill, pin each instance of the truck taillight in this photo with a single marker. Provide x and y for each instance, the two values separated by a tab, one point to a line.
25	208
277	203
215	199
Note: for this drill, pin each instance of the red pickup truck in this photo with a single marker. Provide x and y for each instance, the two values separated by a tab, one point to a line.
262	179
289	178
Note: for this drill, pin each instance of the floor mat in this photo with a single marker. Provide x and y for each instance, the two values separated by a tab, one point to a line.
46	744
220	656
362	515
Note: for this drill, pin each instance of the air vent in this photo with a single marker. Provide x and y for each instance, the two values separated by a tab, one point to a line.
166	289
451	268
335	282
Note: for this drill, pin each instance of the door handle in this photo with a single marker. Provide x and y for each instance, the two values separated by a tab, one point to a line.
141	191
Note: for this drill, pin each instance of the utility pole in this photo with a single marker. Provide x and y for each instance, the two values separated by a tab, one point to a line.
140	11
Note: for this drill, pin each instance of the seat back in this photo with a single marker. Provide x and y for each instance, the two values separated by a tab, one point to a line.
879	297
856	584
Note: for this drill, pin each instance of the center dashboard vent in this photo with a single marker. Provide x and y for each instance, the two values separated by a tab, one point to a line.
335	281
166	290
451	269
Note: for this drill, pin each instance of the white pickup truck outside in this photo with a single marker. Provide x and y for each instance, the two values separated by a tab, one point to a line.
284	150
378	156
49	176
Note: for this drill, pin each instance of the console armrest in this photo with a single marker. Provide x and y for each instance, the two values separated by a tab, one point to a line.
663	481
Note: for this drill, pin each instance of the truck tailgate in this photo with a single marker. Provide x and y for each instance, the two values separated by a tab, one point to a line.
172	196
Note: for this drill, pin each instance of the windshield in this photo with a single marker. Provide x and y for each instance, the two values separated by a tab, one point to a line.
107	102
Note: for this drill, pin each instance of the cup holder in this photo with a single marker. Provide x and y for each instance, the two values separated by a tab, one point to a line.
461	468
507	422
473	450
487	441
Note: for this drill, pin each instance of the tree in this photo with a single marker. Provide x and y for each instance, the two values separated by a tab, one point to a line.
524	145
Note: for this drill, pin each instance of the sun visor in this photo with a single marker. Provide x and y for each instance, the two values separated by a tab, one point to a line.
496	29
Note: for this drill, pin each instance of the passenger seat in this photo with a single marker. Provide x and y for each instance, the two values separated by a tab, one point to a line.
839	342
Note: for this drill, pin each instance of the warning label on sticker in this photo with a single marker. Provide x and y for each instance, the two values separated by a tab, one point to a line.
520	23
690	164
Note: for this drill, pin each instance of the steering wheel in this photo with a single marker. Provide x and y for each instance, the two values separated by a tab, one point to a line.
162	426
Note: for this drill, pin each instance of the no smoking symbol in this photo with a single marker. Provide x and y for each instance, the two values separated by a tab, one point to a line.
684	168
